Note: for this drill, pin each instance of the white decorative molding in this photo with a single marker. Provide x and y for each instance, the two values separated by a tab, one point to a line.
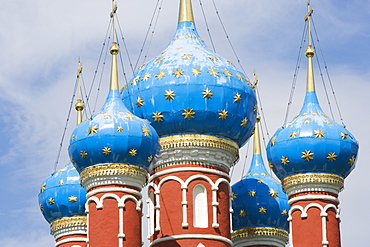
91	182
113	189
69	231
313	197
192	236
68	240
121	201
313	187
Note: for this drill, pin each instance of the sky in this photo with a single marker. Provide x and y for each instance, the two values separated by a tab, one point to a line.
40	42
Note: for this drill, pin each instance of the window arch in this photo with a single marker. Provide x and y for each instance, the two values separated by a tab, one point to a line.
200	206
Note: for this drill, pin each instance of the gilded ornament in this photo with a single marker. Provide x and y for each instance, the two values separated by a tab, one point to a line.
307	178
160	74
213	58
326	121
307	121
159	60
242	213
252	193
60	170
207	94
51	201
196	71
273	140
178	72
146	132
255	108
187	56
325	115
178	48
288	125
145	77
259	232
233	196
119	128
284	212
179	37
41	207
331	156
237	98
231	63
255	174
260	181
351	161
228	73
262	210
240	77
60	182
223	114
343	135
107	116
142	65
213	72
187	36
273	193
263	174
83	153
244	122
304	114
73	138
92	130
285	160
271	166
296	116
130	117
196	47
150	158
133	152
307	155
194	37
293	134
157	116
139	102
72	199
43	186
188	113
73	168
66	222
135	80
314	113
106	150
319	134
170	95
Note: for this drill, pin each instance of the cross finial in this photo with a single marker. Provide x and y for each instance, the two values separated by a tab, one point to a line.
255	80
309	11
79	70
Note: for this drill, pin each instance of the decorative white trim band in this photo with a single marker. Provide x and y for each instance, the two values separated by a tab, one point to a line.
121	201
313	197
68	240
68	233
193	236
113	189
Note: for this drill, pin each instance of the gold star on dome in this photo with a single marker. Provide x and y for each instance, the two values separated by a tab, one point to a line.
213	58
314	113
187	36
327	122
324	115
285	160
117	111
51	201
237	98
207	94
255	174
242	213
160	74
43	186
284	212
307	155
296	116
170	95
293	134
194	37
240	77
228	73
157	116
92	130
119	128
139	102
331	156
178	72
159	60
142	65
107	116
262	210
288	125
145	77
187	56
351	161
271	165
41	207
213	72
60	170
146	132
307	121
244	122
196	71
304	114
150	158
188	113
129	117
178	48
83	153
260	181
72	199
231	63
179	37
254	108
223	114
73	168
60	182
319	134
133	152
106	150
73	138
273	140
273	193
252	193
135	80
233	196
343	135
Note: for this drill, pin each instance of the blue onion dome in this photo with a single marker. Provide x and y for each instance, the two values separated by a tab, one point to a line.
188	85
61	195
258	200
114	135
312	142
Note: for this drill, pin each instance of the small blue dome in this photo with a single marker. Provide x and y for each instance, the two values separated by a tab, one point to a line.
61	195
312	142
189	89
259	200
113	136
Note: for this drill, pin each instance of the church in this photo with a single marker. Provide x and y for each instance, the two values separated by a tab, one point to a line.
174	132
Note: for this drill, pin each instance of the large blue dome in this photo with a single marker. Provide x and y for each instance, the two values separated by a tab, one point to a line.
189	89
113	136
312	142
61	195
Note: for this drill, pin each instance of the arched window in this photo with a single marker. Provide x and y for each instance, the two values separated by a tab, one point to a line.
151	213
200	206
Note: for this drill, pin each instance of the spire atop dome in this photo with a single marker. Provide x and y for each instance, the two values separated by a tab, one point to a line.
310	52
114	50
186	11
79	105
257	141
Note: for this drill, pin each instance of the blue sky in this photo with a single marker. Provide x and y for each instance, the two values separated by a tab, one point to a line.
41	41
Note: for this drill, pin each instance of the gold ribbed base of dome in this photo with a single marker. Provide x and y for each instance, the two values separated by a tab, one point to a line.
259	231
75	221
